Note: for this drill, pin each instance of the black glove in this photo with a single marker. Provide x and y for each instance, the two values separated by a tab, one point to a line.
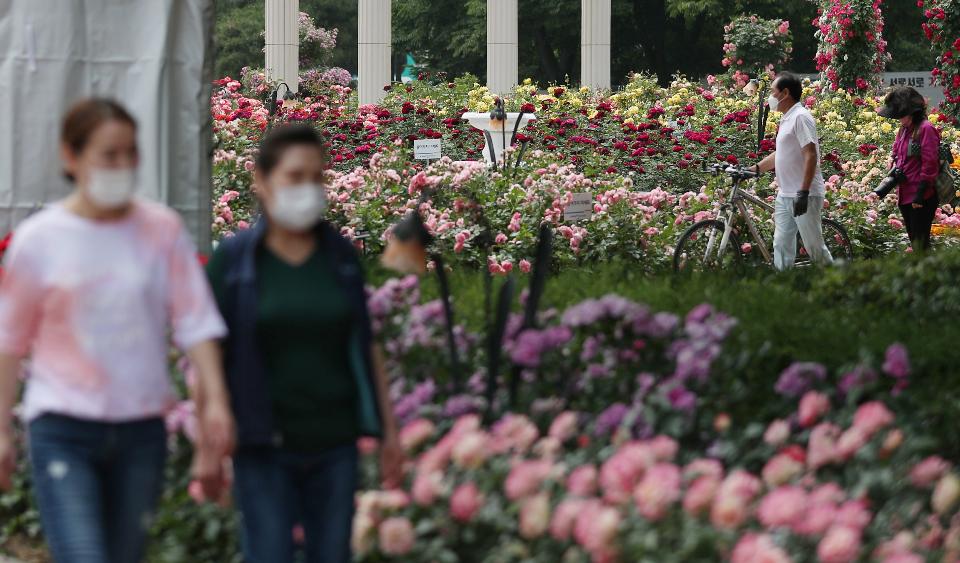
919	199
803	201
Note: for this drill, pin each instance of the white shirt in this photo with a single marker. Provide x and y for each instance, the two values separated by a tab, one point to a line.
797	130
91	303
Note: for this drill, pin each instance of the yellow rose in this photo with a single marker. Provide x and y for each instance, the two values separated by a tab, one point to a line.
527	81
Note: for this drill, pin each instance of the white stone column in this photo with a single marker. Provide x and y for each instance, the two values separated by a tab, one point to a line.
502	38
282	40
595	18
374	23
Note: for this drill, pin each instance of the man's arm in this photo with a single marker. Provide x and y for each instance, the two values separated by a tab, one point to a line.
809	165
768	163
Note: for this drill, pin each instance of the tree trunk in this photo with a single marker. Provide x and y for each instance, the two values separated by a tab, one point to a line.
651	18
548	59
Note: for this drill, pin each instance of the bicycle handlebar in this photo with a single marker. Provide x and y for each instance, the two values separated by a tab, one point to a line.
737	172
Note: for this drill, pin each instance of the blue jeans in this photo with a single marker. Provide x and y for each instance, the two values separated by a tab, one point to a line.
277	489
97	485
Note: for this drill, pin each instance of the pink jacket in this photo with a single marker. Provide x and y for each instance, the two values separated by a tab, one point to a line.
923	167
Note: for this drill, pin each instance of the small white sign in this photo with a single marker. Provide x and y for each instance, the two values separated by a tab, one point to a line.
579	208
426	149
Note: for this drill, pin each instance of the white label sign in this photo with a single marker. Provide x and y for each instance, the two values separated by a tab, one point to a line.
426	149
580	208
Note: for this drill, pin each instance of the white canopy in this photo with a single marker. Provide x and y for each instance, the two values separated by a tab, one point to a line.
153	56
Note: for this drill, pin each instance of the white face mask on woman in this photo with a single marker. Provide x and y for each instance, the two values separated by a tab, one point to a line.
300	207
112	188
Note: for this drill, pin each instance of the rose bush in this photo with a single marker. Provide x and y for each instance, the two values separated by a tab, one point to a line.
852	52
942	28
753	45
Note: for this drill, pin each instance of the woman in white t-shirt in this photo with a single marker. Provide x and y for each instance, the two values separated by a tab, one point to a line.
93	285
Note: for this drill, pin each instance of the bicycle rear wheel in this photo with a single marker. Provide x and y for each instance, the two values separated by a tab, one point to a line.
699	248
835	238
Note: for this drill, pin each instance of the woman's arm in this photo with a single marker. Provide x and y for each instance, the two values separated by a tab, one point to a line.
9	368
391	453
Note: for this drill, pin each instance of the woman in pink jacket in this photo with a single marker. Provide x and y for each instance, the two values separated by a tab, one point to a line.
916	153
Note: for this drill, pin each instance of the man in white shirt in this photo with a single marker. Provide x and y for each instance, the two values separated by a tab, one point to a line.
801	187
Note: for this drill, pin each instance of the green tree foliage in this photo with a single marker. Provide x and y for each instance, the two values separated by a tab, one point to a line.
659	36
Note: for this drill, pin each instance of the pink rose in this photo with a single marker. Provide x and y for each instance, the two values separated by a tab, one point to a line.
758	548
427	487
781	469
946	494
465	502
596	527
823	445
564	426
659	489
813	405
891	443
620	474
777	433
396	536
563	518
700	495
850	443
817	520
782	507
840	545
871	417
501	238
534	516
853	514
367	445
471	450
699	467
416	433
195	490
525	266
525	478
583	481
664	448
928	471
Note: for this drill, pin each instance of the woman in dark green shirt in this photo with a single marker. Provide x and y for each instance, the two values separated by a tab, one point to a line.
299	361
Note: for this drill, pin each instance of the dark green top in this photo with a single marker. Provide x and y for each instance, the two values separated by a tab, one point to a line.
304	326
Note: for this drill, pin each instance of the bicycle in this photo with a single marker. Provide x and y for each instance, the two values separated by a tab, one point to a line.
714	244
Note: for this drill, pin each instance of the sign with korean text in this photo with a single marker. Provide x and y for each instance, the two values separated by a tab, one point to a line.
426	149
579	208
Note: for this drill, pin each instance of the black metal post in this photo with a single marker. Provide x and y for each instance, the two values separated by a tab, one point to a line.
455	371
538	281
495	343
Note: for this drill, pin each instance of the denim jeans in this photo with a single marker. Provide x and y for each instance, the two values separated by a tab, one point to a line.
97	485
277	489
785	233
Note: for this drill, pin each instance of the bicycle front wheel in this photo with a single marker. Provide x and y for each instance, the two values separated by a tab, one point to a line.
699	249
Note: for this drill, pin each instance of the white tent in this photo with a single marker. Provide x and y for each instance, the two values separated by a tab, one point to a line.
154	56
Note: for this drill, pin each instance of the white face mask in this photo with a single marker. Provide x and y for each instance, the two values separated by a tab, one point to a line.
773	102
112	188
299	207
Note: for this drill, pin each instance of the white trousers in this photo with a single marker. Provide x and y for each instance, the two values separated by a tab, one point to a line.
785	233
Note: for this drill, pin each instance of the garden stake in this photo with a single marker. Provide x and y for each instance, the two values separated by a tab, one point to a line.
538	281
448	315
495	342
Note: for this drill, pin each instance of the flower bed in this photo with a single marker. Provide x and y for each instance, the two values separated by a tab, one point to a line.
637	152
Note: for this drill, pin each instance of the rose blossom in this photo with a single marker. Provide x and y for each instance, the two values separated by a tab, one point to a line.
620	474
596	527
564	426
813	405
823	444
853	514
782	507
664	448
871	417
850	443
465	502
817	520
700	495
659	489
416	433
583	481
534	516
928	471
699	467
525	478
563	518
777	433
396	536
946	493
427	486
361	537
891	443
781	469
758	548
471	450
840	545
730	506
